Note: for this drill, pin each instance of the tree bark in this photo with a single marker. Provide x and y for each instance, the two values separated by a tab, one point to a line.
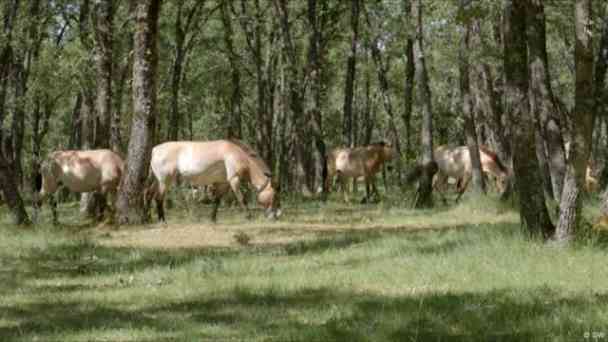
145	73
408	90
8	184
236	98
533	211
316	81
542	99
582	125
295	97
381	71
103	61
424	198
467	105
601	65
351	69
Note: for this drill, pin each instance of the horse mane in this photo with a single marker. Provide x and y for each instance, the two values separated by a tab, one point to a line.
494	157
252	156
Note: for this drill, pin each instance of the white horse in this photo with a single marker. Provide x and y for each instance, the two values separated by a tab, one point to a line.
456	162
222	164
80	171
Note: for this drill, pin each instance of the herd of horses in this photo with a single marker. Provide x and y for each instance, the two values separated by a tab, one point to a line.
223	165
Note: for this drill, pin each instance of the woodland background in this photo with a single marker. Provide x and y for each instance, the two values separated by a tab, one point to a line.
296	78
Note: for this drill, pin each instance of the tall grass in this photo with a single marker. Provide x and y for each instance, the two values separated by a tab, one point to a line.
338	273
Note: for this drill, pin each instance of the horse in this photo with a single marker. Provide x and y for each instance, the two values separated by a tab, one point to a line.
221	164
363	161
80	171
455	162
592	184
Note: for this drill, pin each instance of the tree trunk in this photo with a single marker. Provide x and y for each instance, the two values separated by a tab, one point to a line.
316	81
176	75
542	99
145	74
351	69
424	198
234	121
601	66
410	72
529	185
467	105
582	125
295	97
381	71
8	184
103	62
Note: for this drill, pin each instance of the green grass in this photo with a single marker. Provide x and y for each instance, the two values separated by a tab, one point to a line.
326	272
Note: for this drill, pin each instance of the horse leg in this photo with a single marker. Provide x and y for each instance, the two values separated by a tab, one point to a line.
53	204
463	186
368	190
160	197
342	181
439	186
217	191
235	184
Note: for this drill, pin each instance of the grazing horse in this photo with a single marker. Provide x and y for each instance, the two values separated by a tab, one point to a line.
364	161
455	162
222	164
80	171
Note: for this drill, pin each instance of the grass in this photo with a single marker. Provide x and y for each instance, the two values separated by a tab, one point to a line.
325	272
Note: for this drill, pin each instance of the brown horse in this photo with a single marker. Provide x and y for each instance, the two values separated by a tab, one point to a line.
222	164
80	171
364	161
455	162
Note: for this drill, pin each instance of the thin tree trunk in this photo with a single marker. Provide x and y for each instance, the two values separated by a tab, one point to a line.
314	75
145	73
582	125
467	105
295	97
424	198
176	75
529	185
103	61
542	99
351	69
408	89
234	121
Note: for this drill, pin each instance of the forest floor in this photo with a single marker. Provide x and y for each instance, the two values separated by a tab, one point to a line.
324	272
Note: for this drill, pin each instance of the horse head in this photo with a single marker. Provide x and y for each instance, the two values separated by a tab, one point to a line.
268	198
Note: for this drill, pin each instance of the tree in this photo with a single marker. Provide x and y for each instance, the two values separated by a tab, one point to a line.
102	14
467	101
185	33
296	105
351	69
582	125
533	211
8	178
236	98
424	198
408	87
542	99
382	71
145	73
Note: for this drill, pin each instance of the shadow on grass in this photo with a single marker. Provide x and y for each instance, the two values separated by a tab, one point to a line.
325	314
